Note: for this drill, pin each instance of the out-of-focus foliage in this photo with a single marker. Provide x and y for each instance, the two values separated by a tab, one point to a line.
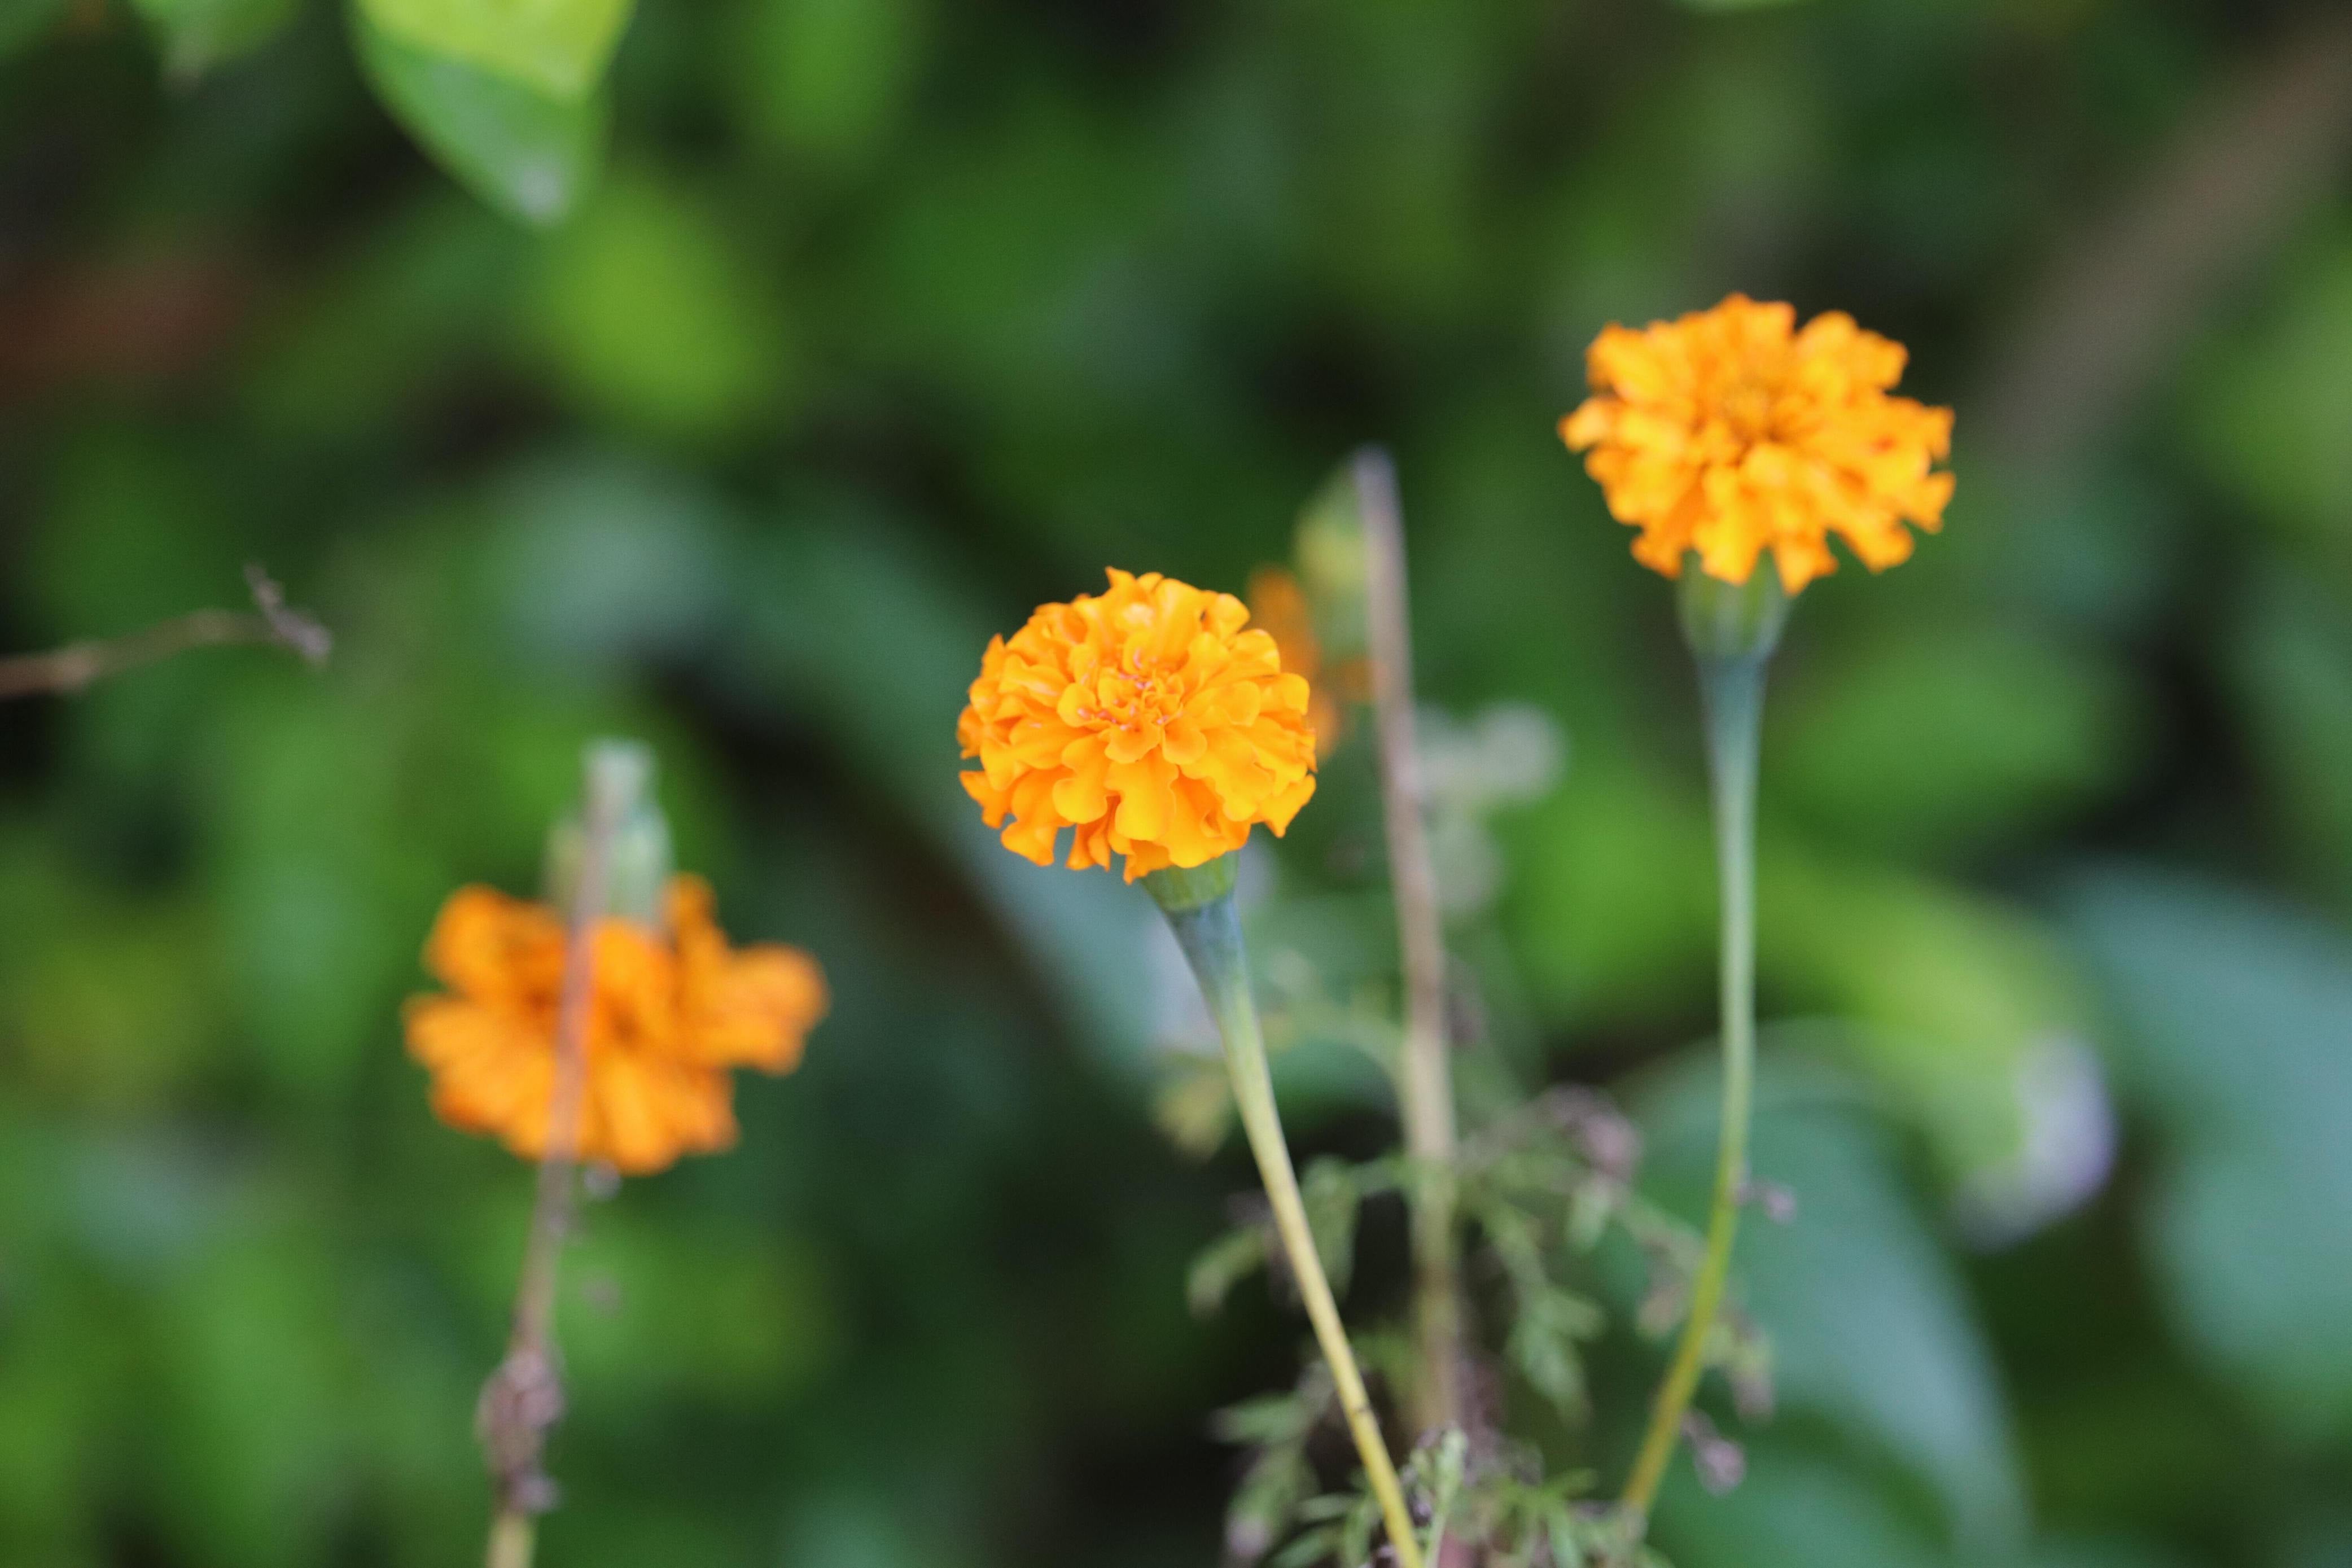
856	330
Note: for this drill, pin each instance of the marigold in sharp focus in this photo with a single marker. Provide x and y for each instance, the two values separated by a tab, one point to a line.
1147	719
1730	433
672	1014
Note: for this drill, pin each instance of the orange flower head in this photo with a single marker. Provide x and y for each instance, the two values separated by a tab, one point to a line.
671	1014
1145	718
1729	432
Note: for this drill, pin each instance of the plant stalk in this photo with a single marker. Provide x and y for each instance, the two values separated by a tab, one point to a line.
68	670
1211	935
1732	687
524	1396
512	1538
1424	1076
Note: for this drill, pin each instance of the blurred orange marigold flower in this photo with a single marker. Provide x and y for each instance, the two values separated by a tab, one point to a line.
1729	432
1280	604
1145	718
671	1015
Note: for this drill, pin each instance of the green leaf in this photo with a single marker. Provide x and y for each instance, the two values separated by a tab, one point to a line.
555	47
1916	743
1967	1008
1194	1105
1270	1420
1312	1546
1917	1391
2291	658
198	34
648	312
1797	1507
1356	1533
1328	1190
2235	1015
1222	1265
825	78
2270	411
1542	1345
529	154
1267	1501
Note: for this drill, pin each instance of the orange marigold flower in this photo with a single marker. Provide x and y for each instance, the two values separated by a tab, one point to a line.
1730	432
1145	718
671	1014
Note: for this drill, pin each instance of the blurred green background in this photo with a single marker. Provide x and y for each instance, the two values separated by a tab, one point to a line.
883	321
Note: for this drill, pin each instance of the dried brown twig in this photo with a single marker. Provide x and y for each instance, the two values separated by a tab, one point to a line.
1425	1077
69	669
524	1397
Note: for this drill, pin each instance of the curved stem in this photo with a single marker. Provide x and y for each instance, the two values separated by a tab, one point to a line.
1734	692
1211	936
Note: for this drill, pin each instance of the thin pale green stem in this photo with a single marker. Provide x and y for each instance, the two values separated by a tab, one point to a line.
1734	692
1211	935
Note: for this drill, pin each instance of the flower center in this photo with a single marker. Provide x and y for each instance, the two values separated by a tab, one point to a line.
1747	408
1139	701
1134	697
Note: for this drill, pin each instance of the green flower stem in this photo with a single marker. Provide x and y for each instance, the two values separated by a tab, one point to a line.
1733	689
1208	928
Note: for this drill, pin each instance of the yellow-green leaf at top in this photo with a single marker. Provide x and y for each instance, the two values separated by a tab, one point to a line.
526	153
556	46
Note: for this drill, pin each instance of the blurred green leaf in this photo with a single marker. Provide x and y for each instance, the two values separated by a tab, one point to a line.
1870	1326
2069	1552
2269	414
1925	741
649	314
601	559
1194	1103
2234	1012
1222	1265
2291	663
1953	1000
1611	891
1327	1188
1546	1328
1797	1507
529	154
825	78
200	33
557	48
